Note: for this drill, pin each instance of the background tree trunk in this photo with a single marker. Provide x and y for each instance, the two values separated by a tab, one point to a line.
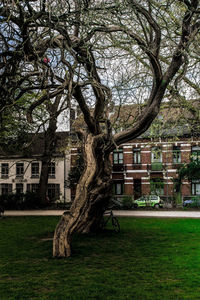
92	195
50	141
43	183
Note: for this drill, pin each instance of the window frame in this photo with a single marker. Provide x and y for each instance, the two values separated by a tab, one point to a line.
52	169
4	170
35	171
20	170
33	187
157	186
53	191
176	155
195	151
5	188
118	157
159	159
19	188
119	184
136	156
194	184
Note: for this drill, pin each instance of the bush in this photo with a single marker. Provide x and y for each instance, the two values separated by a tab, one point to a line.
127	202
32	200
115	203
11	201
121	202
21	201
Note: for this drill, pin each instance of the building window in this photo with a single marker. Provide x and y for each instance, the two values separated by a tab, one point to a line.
35	170
53	191
19	169
33	188
156	155
176	155
157	186
118	188
4	170
195	155
137	191
52	170
136	156
118	157
196	187
6	188
176	185
19	188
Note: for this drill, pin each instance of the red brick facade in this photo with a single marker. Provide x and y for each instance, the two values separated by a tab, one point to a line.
137	171
140	175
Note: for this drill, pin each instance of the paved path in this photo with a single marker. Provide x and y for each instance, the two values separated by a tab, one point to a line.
159	214
33	212
120	213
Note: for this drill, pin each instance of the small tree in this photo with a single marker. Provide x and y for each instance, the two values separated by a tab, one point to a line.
191	171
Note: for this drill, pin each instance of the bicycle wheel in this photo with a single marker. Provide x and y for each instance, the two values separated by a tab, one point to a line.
115	224
102	224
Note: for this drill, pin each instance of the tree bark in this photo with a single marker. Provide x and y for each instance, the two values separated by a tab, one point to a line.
92	195
50	140
44	179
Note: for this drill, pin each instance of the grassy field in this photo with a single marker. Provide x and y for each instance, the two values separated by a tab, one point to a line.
149	259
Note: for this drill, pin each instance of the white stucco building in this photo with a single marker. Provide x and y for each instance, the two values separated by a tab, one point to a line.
20	172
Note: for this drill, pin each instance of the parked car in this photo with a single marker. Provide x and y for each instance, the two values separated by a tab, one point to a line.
193	202
151	200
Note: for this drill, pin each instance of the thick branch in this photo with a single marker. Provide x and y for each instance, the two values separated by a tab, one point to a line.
84	108
152	108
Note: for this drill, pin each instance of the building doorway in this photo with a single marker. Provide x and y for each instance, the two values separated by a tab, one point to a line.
137	188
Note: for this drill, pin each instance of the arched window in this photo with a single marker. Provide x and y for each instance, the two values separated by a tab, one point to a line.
156	154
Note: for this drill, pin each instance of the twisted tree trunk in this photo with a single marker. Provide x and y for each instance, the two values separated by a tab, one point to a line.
92	194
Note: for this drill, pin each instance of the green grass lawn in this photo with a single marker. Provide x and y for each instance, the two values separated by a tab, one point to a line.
149	259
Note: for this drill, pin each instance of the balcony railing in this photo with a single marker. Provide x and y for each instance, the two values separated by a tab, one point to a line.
137	166
118	167
156	167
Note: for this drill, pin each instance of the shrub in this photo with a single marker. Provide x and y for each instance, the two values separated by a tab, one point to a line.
32	200
11	201
115	203
28	200
127	202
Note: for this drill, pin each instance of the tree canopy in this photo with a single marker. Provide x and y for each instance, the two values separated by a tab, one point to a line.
101	53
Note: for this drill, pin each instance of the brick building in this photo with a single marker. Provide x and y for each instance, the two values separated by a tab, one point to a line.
143	166
149	164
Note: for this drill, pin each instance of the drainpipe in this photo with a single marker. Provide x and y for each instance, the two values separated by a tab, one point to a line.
167	168
65	180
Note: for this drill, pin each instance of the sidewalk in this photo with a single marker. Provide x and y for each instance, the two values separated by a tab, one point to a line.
158	213
18	213
118	213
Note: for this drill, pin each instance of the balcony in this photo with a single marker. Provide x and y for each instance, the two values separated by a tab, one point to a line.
19	176
136	166
4	176
177	166
118	167
156	167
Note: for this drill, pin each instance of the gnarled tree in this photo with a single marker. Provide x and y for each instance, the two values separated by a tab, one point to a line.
98	47
139	28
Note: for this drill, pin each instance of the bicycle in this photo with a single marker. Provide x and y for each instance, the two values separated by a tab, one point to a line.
1	211
114	221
